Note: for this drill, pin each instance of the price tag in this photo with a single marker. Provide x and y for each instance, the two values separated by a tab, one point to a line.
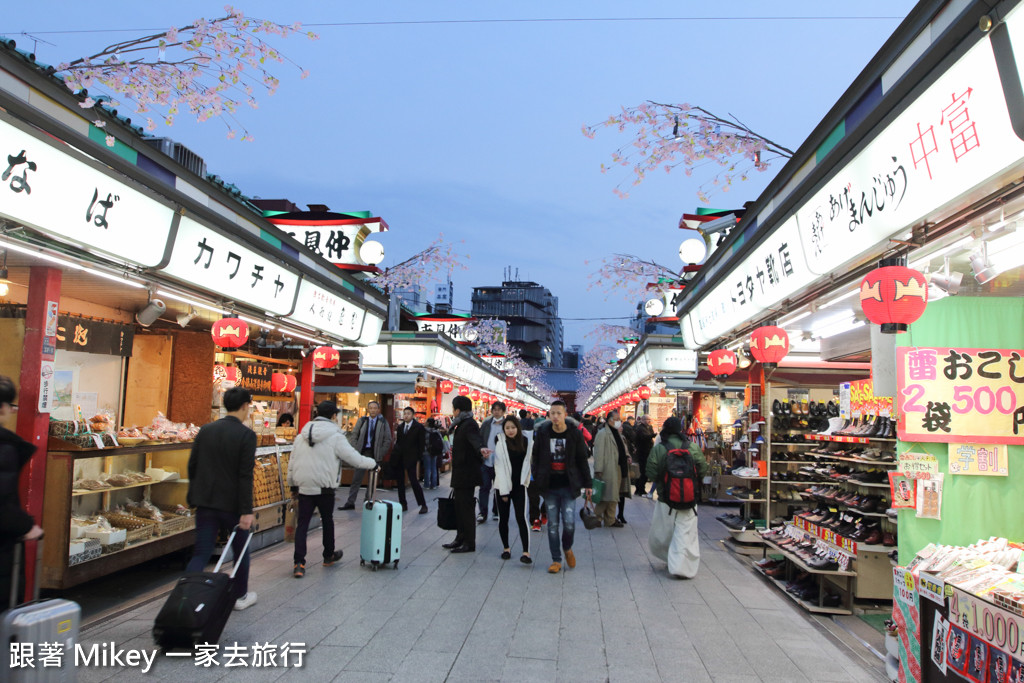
844	562
98	439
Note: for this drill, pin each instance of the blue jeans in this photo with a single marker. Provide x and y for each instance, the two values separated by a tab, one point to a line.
208	523
429	471
561	506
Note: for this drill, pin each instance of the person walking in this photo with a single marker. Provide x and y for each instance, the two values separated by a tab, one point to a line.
16	525
371	437
561	471
512	475
491	430
468	452
431	455
313	470
220	473
410	445
644	443
673	534
610	459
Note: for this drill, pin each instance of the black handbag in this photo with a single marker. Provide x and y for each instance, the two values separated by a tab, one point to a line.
590	520
446	517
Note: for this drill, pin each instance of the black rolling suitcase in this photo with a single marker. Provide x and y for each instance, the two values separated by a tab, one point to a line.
198	607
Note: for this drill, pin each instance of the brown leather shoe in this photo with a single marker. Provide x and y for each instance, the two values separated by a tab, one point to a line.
570	559
555	568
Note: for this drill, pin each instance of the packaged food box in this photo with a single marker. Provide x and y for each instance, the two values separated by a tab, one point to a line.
162	474
108	537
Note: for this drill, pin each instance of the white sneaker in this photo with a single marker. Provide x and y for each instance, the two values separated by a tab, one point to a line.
246	601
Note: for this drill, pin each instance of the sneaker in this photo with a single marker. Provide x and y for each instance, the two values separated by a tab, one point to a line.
299	571
246	601
335	557
480	519
555	568
536	526
570	559
544	518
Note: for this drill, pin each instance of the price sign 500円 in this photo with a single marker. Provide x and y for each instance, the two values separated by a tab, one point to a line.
961	395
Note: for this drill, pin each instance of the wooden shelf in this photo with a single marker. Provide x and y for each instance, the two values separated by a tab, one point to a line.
810	607
83	492
866	484
800	563
845	439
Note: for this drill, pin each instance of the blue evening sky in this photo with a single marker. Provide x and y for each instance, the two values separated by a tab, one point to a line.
473	129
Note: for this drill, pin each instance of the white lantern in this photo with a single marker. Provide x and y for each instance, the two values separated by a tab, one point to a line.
371	252
693	248
654	307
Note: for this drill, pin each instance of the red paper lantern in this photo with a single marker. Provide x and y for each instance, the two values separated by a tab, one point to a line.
230	333
769	345
226	374
463	390
290	383
722	363
278	382
446	386
475	394
893	295
326	357
644	393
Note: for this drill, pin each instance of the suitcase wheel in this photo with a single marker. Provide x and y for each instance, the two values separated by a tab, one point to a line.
374	567
396	564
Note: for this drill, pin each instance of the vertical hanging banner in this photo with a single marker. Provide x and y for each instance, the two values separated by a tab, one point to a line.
960	395
979	459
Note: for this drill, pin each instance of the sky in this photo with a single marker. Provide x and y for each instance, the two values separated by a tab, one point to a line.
442	123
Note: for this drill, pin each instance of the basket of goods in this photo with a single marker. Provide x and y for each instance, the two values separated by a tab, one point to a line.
176	520
136	528
85	485
62	429
130	437
163	431
111	539
100	423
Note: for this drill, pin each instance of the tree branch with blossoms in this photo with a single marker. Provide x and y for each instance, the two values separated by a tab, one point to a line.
629	275
421	267
592	368
672	135
208	68
610	335
491	339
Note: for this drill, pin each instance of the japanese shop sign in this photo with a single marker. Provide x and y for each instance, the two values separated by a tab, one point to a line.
336	239
672	360
452	328
904	585
207	259
997	627
844	400
984	459
256	377
864	402
320	309
93	336
47	388
52	191
933	588
962	395
917	465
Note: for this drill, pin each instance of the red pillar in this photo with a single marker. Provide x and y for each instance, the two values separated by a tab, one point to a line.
34	426
306	391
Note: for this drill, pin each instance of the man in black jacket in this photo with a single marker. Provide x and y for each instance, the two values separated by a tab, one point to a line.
220	487
468	453
560	471
16	525
644	442
410	442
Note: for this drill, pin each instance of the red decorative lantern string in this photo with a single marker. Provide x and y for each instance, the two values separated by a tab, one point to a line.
644	393
446	386
278	382
893	295
463	390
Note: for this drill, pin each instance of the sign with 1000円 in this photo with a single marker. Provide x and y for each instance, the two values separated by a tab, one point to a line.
997	627
960	395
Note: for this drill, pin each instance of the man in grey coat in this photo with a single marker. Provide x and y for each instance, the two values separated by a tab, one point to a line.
371	437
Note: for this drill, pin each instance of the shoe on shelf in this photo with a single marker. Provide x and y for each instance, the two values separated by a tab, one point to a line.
246	601
570	559
555	568
347	506
298	571
334	557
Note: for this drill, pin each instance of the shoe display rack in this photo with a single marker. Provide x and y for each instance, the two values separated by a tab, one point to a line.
808	570
750	486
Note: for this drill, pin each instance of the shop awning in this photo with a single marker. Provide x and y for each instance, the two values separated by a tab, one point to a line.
383	382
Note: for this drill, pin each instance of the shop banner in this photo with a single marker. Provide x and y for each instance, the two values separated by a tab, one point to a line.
1001	629
94	336
256	377
960	395
510	384
917	465
864	402
907	615
323	310
978	459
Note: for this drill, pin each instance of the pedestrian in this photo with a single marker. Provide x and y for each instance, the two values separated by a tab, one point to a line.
561	471
371	437
629	435
313	470
220	472
410	445
611	465
673	534
490	430
468	452
644	443
433	452
16	525
512	475
525	421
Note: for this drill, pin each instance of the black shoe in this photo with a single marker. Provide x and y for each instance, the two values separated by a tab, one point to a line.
333	558
506	554
464	549
621	519
454	544
424	510
347	506
481	519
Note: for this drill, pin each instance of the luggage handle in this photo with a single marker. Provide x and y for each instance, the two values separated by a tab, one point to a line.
371	485
234	566
19	548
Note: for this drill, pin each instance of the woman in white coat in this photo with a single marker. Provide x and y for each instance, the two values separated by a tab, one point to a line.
511	478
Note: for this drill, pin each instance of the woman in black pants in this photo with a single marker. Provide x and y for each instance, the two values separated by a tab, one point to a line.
511	477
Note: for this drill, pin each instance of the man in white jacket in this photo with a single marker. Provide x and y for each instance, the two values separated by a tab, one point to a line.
313	470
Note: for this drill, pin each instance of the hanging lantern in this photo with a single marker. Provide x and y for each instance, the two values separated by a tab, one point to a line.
326	357
291	381
644	393
230	333
722	363
475	394
278	382
769	345
224	373
893	295
463	390
634	396
446	386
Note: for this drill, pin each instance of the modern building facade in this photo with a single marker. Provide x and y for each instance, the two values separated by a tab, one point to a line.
531	312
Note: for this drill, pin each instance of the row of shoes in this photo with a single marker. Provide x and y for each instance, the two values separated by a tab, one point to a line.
805	408
736	522
779	437
745	472
796	422
869	427
806	551
786	495
743	493
851	499
848	474
871	454
851	526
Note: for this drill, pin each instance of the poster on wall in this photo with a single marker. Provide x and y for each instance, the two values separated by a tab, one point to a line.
939	634
864	402
929	497
660	410
903	489
978	459
963	395
917	465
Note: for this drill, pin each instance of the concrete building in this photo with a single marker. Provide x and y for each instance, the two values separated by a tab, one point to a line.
531	312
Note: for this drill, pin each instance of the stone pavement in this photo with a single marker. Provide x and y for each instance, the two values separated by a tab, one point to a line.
439	617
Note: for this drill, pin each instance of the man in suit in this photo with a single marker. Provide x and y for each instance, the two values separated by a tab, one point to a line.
220	488
372	438
468	453
410	442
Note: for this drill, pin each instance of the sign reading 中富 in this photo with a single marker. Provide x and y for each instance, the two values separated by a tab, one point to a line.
323	310
205	258
979	459
960	395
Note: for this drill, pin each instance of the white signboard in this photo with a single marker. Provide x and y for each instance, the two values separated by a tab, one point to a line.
337	240
320	309
48	189
207	259
47	387
672	360
453	328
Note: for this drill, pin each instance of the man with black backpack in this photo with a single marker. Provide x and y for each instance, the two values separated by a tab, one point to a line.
677	467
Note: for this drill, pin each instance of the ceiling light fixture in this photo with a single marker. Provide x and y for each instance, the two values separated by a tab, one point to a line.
185	318
792	319
841	297
91	270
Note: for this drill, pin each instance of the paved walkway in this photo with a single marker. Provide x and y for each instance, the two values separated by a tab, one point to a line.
617	617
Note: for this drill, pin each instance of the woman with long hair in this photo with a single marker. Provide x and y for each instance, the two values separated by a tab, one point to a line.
511	477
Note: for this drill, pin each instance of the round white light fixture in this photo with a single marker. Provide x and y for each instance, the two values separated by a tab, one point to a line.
654	307
693	248
371	252
621	353
470	335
